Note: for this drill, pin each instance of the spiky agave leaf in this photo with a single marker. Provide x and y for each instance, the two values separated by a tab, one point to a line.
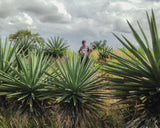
7	54
137	79
56	46
7	58
25	44
78	90
25	85
104	52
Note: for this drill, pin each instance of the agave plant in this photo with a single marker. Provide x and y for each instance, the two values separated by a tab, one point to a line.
104	52
25	44
137	84
7	55
56	47
24	86
7	58
98	44
78	90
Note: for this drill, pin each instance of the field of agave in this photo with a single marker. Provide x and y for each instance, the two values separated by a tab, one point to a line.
50	88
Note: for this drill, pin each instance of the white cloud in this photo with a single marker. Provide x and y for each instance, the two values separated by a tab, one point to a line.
74	19
135	1
22	20
122	6
50	11
61	8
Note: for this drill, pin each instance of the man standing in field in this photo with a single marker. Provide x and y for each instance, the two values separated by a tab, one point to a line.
85	50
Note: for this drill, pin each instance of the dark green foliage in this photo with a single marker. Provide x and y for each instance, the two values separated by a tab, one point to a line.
98	44
25	45
103	49
7	58
56	47
78	90
137	81
35	37
104	52
24	86
7	55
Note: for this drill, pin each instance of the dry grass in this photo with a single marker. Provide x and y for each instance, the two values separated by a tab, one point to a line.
94	55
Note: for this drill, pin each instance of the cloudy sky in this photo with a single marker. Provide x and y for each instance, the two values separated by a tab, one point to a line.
75	20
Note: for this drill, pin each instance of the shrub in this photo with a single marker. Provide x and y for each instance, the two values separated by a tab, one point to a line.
25	85
98	44
78	90
104	53
56	47
137	81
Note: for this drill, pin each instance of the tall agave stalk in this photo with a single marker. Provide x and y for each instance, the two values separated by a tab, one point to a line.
137	79
24	86
78	91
